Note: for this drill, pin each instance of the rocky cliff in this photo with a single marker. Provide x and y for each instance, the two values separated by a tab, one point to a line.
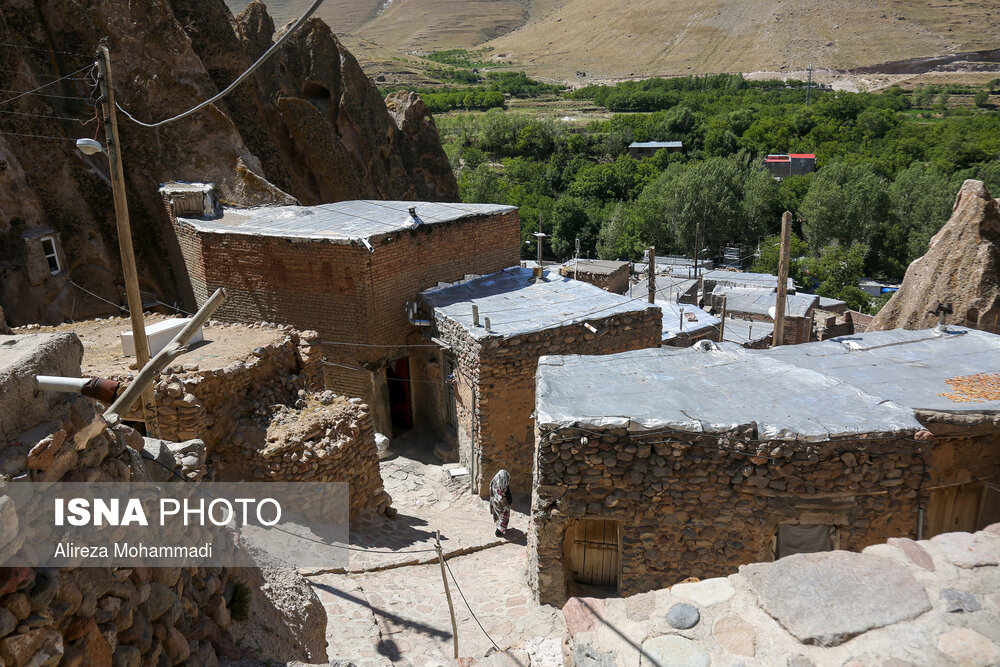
308	126
961	267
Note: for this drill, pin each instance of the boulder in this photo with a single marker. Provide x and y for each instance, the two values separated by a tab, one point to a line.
960	267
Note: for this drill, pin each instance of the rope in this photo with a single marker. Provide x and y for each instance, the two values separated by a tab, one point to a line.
474	617
260	61
33	48
97	296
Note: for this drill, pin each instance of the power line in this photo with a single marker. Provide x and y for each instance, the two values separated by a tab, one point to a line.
35	48
260	61
96	296
45	85
63	97
329	342
37	136
42	115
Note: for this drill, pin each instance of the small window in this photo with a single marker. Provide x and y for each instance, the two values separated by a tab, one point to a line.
51	256
803	539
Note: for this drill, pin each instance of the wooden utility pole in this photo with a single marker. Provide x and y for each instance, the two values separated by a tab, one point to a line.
651	271
447	591
782	293
722	325
697	246
113	150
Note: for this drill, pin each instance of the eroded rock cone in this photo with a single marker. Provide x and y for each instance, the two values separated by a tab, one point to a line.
961	267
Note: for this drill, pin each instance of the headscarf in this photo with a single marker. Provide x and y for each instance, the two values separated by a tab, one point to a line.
501	481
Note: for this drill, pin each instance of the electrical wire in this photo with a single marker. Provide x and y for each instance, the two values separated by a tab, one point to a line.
469	606
348	547
62	97
37	136
97	296
260	61
35	48
42	115
329	342
45	85
365	370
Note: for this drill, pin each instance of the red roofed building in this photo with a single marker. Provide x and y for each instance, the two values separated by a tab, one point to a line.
791	164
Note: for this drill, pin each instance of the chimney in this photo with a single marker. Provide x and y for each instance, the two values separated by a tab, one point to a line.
414	220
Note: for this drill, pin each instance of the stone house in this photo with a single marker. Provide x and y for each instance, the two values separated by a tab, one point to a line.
609	275
491	331
758	304
348	270
644	149
684	325
831	445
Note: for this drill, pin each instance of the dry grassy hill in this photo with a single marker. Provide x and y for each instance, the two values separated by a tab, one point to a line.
623	38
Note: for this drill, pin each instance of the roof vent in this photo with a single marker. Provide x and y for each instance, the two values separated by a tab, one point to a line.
414	220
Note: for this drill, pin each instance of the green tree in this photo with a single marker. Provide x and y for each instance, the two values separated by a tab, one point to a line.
845	203
770	256
571	220
982	99
836	272
920	201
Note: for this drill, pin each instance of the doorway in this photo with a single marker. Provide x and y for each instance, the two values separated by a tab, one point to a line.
397	375
593	553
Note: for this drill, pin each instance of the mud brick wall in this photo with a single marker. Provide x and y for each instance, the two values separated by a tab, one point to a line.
342	291
686	508
498	414
615	281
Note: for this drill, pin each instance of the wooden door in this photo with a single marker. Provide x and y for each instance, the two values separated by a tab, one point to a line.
594	552
955	509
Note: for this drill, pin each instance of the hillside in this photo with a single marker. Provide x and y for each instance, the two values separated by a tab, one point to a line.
559	38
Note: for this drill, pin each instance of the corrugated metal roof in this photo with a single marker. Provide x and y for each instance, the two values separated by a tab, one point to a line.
517	304
341	221
656	144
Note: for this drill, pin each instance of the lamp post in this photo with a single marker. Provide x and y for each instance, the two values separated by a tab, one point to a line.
113	151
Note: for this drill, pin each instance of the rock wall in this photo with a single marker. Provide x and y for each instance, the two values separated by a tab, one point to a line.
929	602
309	125
687	507
101	616
260	420
496	381
961	267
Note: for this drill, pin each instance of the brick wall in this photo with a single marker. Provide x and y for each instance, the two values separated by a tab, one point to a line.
343	292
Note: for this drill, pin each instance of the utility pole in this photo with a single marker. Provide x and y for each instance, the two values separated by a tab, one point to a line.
697	246
651	270
809	87
113	150
576	263
722	325
539	272
447	591
782	294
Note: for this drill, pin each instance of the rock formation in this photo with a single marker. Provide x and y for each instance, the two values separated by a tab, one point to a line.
961	267
308	126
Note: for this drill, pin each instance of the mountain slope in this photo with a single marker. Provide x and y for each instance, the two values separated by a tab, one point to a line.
621	38
645	37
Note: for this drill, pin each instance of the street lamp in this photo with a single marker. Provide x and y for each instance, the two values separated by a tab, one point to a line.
89	146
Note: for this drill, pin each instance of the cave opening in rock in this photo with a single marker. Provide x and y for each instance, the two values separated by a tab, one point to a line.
315	91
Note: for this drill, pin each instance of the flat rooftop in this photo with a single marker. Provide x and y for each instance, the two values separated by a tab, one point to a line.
869	383
955	372
683	319
604	267
759	301
743	332
517	304
341	221
734	278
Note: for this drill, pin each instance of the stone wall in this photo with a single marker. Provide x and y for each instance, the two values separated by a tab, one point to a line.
688	506
931	602
496	381
100	616
615	281
261	420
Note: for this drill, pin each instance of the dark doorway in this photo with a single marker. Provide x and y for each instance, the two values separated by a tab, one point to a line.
397	375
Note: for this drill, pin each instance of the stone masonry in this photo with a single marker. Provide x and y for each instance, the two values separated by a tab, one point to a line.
688	507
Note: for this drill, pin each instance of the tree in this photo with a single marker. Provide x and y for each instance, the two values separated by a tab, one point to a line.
845	203
571	220
836	273
920	201
770	256
982	99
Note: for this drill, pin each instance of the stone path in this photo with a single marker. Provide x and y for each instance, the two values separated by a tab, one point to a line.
390	607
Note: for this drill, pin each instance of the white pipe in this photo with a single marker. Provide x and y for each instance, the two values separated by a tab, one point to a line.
56	383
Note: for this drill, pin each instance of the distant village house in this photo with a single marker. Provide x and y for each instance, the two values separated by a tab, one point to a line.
643	149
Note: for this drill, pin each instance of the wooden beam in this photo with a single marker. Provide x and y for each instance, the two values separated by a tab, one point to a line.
779	305
174	349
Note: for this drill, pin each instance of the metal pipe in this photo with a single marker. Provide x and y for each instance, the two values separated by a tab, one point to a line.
56	383
920	523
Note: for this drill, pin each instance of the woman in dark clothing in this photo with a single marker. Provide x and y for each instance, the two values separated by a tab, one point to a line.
500	500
